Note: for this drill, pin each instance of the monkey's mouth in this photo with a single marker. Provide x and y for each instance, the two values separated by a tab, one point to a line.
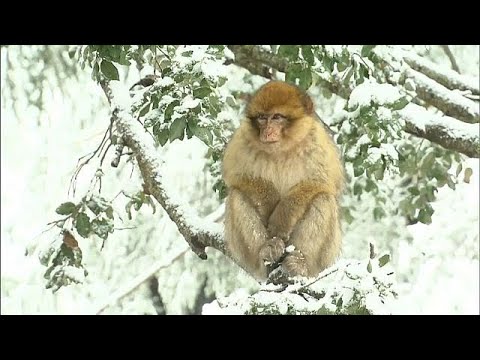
270	141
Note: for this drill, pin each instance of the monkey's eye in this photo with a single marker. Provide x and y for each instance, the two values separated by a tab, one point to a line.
278	117
262	118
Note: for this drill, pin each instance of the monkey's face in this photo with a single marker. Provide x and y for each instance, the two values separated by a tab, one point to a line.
270	127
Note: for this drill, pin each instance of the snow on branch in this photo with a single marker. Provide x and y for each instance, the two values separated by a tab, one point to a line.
443	130
451	103
448	78
199	233
446	132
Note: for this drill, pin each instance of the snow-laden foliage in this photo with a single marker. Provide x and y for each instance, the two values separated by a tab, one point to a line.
384	117
350	287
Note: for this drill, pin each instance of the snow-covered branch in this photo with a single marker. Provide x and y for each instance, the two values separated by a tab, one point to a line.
451	103
445	132
448	78
199	233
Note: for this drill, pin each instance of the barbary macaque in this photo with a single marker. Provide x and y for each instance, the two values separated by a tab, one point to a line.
284	178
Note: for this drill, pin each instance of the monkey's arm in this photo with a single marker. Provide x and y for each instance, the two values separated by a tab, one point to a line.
261	194
292	207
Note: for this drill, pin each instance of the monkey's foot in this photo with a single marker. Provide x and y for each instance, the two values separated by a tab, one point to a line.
272	250
294	264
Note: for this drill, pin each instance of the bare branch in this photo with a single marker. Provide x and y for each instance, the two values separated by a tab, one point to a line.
449	53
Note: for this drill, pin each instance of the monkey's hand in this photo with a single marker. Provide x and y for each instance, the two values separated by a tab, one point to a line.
272	250
294	264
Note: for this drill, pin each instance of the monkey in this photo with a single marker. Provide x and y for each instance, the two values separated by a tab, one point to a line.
284	178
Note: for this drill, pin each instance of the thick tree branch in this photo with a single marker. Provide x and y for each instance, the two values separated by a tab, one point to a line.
449	102
443	130
447	133
448	78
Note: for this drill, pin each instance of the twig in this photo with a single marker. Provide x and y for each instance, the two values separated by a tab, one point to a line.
139	280
319	278
451	57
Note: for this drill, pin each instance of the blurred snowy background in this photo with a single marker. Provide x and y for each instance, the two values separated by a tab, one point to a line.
52	113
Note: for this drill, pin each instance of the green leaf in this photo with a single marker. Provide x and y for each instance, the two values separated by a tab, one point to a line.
191	126
369	267
425	214
65	208
467	175
326	93
289	51
71	53
201	92
293	72
109	70
177	129
459	169
366	49
428	161
204	134
414	190
144	110
95	71
378	213
230	101
370	185
102	228
383	260
308	54
170	109
328	63
82	224
348	75
357	188
162	136
305	79
221	81
450	182
400	104
379	173
347	215
358	170
109	212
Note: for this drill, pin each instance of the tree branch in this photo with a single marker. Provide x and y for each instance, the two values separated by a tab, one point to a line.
447	132
448	78
443	130
197	232
449	102
139	280
449	53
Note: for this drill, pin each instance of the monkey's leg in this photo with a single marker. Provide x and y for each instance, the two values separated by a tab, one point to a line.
316	237
245	234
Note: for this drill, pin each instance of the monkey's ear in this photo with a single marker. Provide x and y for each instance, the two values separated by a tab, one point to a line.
307	104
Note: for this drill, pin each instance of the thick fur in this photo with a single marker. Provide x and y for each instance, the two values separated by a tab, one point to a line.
288	189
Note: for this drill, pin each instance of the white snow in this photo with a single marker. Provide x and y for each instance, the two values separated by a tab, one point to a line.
423	119
370	91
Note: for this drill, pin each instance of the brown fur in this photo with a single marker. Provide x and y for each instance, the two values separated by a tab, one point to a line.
288	189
